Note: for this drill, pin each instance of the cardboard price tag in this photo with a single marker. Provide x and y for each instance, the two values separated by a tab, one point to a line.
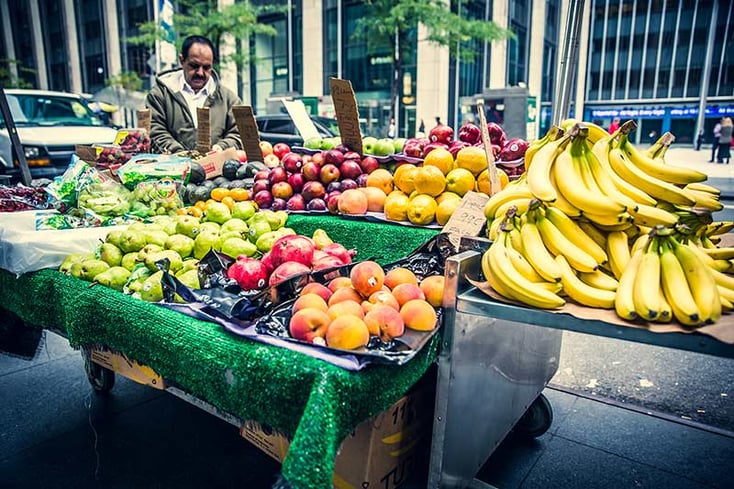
347	115
247	127
468	219
304	125
121	364
203	119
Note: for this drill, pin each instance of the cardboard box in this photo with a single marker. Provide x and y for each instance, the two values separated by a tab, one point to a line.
213	163
121	364
382	452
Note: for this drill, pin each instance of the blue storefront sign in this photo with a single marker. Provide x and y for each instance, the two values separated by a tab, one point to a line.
659	112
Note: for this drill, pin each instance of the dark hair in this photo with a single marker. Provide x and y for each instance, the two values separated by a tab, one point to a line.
196	40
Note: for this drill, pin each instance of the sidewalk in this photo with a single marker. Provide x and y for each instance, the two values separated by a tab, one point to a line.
720	175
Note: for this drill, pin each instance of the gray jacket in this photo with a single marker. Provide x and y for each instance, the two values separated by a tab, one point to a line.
725	136
172	126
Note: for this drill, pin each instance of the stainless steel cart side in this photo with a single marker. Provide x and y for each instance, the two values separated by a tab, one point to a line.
490	371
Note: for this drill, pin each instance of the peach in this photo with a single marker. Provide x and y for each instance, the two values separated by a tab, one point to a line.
418	314
385	322
317	288
345	308
367	277
367	306
375	198
400	275
406	292
339	282
347	332
432	288
309	300
352	201
384	298
308	324
344	294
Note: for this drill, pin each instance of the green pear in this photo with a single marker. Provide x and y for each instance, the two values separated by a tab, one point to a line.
181	244
174	259
190	279
132	239
136	226
244	209
110	254
113	237
234	247
274	219
129	260
234	224
114	278
156	236
188	225
152	290
162	221
321	238
258	227
147	250
217	212
76	269
65	266
188	264
209	226
231	234
266	240
205	242
170	228
91	268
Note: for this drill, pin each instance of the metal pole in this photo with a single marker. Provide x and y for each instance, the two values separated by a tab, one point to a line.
565	80
706	73
17	148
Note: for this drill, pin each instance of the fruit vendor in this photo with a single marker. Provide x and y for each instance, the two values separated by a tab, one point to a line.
177	94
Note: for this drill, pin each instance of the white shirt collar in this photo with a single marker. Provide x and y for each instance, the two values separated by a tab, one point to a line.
208	89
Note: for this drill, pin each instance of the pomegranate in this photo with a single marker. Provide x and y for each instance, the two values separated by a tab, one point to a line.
339	251
441	133
470	133
514	149
292	248
286	270
328	261
496	133
249	273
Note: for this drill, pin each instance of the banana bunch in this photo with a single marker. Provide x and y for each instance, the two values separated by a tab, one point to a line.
667	278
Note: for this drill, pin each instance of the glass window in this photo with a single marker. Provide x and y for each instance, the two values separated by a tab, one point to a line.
50	111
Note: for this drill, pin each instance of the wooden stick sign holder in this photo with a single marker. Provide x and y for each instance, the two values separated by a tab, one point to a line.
494	181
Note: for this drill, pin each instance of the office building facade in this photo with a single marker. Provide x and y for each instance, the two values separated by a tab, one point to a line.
658	62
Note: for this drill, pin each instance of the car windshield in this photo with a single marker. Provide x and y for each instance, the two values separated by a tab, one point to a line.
49	110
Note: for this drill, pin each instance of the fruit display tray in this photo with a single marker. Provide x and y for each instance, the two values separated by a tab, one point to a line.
379	217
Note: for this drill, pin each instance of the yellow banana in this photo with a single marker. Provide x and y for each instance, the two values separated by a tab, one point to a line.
559	244
522	206
610	223
603	179
702	187
502	197
725	293
538	175
618	251
624	298
666	311
723	279
719	227
493	229
569	176
576	234
537	254
595	132
519	262
657	168
645	215
646	295
561	202
553	133
701	282
601	150
676	289
599	279
581	292
704	200
593	232
659	147
652	186
640	242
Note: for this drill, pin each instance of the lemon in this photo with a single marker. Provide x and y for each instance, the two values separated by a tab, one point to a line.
440	158
429	180
460	181
403	178
445	209
472	158
422	210
446	196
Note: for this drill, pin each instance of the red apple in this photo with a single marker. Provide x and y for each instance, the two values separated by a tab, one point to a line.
282	190
442	133
261	175
271	160
311	171
260	185
280	149
348	183
278	204
334	156
296	203
455	146
318	158
292	162
313	190
278	174
431	146
296	180
332	201
316	205
350	169
369	164
470	133
329	173
352	155
412	148
263	199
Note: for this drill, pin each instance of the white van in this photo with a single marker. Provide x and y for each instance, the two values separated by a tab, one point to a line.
50	124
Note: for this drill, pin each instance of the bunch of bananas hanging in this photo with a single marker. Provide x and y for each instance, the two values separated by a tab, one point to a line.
588	208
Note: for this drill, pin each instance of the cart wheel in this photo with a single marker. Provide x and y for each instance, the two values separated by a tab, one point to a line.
101	379
536	420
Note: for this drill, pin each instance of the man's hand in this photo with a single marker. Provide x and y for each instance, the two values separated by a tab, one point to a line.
217	149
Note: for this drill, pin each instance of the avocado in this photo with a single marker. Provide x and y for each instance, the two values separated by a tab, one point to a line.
229	169
198	174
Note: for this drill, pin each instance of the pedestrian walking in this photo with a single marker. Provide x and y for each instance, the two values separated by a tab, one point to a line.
725	137
391	129
614	125
699	140
715	145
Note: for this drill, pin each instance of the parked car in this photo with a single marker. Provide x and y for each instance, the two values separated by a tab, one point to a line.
279	128
50	124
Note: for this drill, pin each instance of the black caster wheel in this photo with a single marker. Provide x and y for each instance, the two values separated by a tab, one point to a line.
536	420
100	378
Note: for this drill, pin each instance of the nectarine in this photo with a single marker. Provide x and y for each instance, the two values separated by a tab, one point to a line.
345	308
317	288
339	282
308	324
432	288
367	277
419	315
344	294
309	300
400	275
385	322
406	292
347	332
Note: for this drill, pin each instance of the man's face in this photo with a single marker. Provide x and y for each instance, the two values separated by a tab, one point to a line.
197	66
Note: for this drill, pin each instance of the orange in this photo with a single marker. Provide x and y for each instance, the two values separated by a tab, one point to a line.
403	178
429	180
382	179
447	196
483	180
473	158
440	158
239	194
219	193
228	201
200	204
375	198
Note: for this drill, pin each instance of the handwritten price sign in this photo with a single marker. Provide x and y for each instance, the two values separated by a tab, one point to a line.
468	219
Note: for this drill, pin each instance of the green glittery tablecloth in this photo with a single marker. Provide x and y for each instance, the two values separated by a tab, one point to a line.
316	403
